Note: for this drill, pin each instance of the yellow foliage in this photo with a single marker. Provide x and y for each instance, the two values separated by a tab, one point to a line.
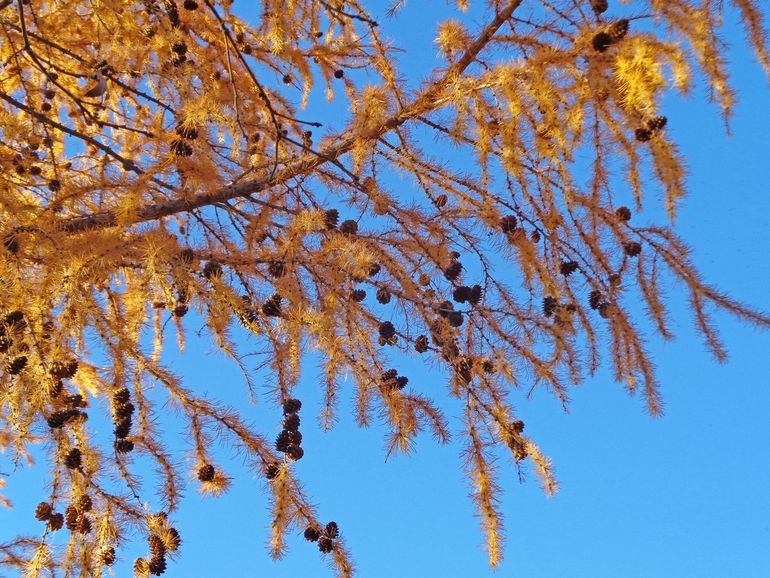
157	176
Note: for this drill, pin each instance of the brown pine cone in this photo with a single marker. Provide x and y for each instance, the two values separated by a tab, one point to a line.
325	545
206	473
421	344
56	521
74	459
43	511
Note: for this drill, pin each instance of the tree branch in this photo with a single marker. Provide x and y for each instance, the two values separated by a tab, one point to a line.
421	104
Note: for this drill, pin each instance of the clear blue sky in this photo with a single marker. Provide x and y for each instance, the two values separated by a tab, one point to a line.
682	496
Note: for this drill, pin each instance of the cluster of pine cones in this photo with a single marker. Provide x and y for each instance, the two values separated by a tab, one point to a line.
324	538
122	412
161	543
392	380
11	325
612	35
69	405
13	320
45	513
290	439
516	442
651	126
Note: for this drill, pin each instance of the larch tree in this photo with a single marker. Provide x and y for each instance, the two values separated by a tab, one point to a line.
157	159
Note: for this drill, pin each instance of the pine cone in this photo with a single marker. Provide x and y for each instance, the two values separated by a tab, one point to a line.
657	123
272	307
325	545
462	294
623	213
157	566
295	437
11	244
206	473
331	530
463	371
84	524
358	295
594	299
179	147
57	419
618	30
455	319
74	459
349	227
519	451
272	471
74	400
17	365
124	410
331	217
567	268
445	308
549	306
64	369
212	269
121	396
643	134
14	318
291	422
173	540
157	547
401	381
179	48
387	330
632	249
517	425
312	534
188	132
601	41
5	343
56	521
440	201
187	255
295	453
107	556
123	446
85	503
71	516
421	344
43	511
291	406
508	224
56	388
453	271
277	269
383	296
122	427
599	6
389	375
476	294
282	442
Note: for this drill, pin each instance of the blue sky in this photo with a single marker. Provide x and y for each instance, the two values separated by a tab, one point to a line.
682	496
